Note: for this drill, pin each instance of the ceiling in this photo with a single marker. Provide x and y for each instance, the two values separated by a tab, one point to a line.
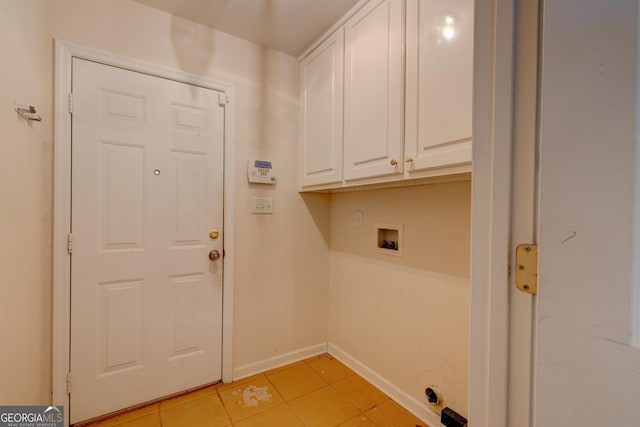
290	26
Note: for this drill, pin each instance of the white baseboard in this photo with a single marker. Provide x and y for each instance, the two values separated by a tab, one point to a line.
278	361
408	402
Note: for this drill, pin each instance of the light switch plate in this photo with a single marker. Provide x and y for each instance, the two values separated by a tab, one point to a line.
262	205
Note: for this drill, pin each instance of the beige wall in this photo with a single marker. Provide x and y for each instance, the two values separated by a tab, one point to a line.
406	318
25	212
281	276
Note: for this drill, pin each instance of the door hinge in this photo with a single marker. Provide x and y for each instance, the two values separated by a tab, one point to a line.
68	382
70	243
223	99
527	268
70	103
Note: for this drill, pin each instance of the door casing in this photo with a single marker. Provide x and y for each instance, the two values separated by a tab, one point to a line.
491	206
64	53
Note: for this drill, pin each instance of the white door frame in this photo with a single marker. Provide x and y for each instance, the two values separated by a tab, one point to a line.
493	78
64	53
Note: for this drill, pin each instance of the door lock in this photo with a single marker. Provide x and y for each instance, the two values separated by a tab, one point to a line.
214	255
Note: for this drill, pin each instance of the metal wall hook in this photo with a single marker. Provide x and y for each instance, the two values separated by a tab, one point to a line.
27	112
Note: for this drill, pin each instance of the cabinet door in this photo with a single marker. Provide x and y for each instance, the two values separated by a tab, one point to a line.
321	104
439	83
374	94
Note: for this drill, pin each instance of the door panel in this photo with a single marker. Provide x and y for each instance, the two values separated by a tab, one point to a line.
374	91
439	79
146	301
121	182
321	99
587	370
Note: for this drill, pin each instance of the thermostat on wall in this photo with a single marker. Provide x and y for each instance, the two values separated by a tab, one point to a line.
261	172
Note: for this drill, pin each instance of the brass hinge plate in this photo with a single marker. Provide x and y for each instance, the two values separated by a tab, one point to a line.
527	268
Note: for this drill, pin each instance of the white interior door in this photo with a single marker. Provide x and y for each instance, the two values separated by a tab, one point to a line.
147	181
587	364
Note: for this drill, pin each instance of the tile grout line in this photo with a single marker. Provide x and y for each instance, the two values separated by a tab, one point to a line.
326	370
224	406
329	357
288	402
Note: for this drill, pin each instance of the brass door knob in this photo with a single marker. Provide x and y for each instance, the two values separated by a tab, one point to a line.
214	255
394	162
409	160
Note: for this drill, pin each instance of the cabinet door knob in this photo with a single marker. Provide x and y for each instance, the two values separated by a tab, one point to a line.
394	162
409	160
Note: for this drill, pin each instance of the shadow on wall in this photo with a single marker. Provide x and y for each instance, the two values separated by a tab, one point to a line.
190	40
317	205
193	45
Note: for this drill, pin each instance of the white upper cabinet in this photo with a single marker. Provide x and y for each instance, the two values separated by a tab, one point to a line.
400	109
374	91
438	83
321	88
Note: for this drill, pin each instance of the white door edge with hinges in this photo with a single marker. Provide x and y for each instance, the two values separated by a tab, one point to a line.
491	212
587	367
585	358
65	52
524	197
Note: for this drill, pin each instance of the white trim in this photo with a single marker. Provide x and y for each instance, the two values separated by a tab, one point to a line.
635	260
524	196
64	53
491	213
398	395
61	227
339	23
278	361
229	237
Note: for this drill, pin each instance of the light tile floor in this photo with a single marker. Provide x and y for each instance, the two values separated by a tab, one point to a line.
316	392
